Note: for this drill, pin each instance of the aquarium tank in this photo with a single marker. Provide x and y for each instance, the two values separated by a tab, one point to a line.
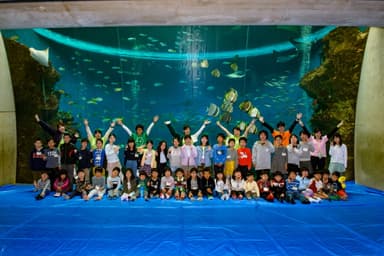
184	74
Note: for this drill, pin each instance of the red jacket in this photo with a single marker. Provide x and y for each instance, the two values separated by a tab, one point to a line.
244	157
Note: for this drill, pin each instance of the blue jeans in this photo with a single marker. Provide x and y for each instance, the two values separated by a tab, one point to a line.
131	164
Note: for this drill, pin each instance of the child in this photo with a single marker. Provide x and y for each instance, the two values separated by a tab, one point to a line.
278	186
244	157
42	186
293	191
219	154
61	185
307	148
68	158
131	156
154	184
85	159
316	185
304	183
82	186
294	154
148	161
52	158
36	160
112	154
221	186
180	185
231	161
188	155
261	153
98	184
161	156
194	186
251	188
204	153
167	184
92	138
237	186
129	186
339	155
114	184
280	157
174	155
207	183
326	182
98	156
265	187
142	186
337	191
186	132
236	133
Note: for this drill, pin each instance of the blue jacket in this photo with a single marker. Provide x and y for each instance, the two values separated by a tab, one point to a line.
219	154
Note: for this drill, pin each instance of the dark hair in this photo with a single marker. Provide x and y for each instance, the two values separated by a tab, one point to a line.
187	137
112	135
44	172
100	141
231	139
139	126
316	130
244	139
205	136
280	123
265	132
290	171
131	140
80	170
220	173
142	173
176	138
154	170
277	173
236	128
67	134
220	135
116	169
149	141
99	169
185	127
51	139
305	133
60	123
337	174
326	172
132	174
207	169
264	172
278	136
63	172
179	170
302	169
193	169
84	140
293	135
97	131
167	169
337	135
159	148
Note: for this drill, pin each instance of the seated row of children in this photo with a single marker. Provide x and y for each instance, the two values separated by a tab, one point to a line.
295	187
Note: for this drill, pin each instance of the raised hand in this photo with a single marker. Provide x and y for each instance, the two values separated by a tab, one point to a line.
261	119
207	122
340	124
156	118
113	124
86	122
299	116
218	122
37	118
119	121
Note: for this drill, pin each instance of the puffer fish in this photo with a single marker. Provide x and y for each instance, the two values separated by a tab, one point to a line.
213	110
231	95
204	64
216	73
246	106
234	66
227	106
254	112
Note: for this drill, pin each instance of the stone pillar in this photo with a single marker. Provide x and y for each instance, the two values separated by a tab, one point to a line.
8	143
369	126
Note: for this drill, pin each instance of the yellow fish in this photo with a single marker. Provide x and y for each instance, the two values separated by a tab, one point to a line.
234	66
216	73
204	64
118	89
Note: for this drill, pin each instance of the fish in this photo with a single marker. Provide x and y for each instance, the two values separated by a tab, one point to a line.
253	129
213	110
204	64
158	84
123	60
14	38
237	74
163	44
226	117
99	72
194	64
126	98
168	66
92	102
98	99
142	35
242	125
267	105
115	67
107	61
71	102
284	58
182	82
41	56
254	112
210	88
106	120
87	60
61	68
227	106
216	73
231	95
234	66
246	106
83	98
171	50
131	38
61	92
106	77
119	89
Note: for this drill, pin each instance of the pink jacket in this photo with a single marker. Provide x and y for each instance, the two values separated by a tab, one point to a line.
188	160
320	146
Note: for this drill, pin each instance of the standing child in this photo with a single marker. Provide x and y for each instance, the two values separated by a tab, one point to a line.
207	183
167	184
148	161
36	160
142	186
265	187
154	184
42	186
161	156
237	186
52	158
112	154
339	155
68	158
85	159
307	149
280	157
261	154
188	155
236	133
278	186
294	153
129	186
98	184
97	134
251	188
221	187
82	186
204	153
61	185
180	185
219	154
244	157
231	161
194	186
114	184
174	155
131	156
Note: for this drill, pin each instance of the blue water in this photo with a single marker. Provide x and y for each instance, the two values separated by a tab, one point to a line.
138	72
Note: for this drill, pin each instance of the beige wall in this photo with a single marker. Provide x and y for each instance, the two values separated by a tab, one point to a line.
369	127
7	122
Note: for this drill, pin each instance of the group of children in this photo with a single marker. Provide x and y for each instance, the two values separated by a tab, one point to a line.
228	169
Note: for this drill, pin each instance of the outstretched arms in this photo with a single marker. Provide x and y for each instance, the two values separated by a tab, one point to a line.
223	128
46	127
154	121
120	122
265	124
245	134
298	118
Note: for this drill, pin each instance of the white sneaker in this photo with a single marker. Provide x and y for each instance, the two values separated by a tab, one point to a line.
57	194
167	122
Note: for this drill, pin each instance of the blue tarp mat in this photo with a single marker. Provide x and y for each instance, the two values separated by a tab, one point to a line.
54	226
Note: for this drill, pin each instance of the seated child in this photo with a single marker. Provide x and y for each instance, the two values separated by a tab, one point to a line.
337	191
154	184
62	184
265	186
167	184
326	182
278	186
129	186
237	185
82	187
292	187
98	184
42	186
142	186
222	190
207	183
303	179
316	185
114	183
251	188
194	186
180	184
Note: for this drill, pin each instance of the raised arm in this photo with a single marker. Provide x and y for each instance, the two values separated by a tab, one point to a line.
331	133
224	129
196	135
245	134
265	124
46	127
154	121
301	123
88	130
298	118
120	122
109	131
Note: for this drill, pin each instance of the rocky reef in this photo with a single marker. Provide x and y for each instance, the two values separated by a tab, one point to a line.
334	85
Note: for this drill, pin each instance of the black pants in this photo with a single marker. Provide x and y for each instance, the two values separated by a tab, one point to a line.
318	163
244	170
